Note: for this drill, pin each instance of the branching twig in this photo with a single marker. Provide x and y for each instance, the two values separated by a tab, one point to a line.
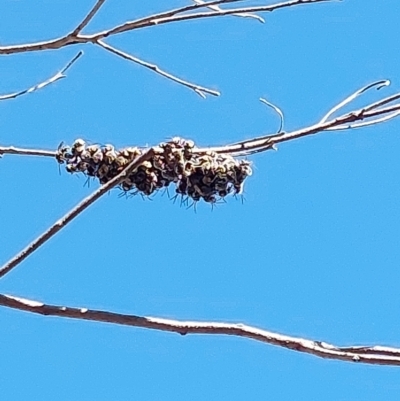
175	15
243	15
369	115
200	90
88	18
59	75
58	225
377	355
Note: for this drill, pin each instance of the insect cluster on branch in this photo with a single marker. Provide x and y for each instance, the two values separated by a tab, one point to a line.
207	175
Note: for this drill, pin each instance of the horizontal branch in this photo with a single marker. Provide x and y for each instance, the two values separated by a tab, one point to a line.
180	14
377	355
11	150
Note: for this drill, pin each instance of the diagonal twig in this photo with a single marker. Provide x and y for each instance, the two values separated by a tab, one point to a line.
369	115
377	355
67	218
88	18
54	78
200	90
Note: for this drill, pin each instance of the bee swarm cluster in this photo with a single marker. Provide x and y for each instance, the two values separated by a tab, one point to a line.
207	175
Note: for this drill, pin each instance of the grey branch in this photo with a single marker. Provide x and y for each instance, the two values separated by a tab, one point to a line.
377	355
54	78
189	12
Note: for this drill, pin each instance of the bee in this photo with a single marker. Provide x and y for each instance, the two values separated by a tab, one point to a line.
121	161
63	153
78	147
97	156
109	154
103	171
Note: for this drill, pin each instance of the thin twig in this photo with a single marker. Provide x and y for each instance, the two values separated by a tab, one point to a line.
377	355
88	18
225	12
377	85
243	15
164	18
11	150
175	15
200	90
369	115
56	77
61	223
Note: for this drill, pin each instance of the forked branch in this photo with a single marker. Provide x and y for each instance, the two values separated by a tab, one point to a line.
377	355
190	12
372	114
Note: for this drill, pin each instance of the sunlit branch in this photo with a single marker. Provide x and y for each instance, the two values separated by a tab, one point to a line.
377	355
371	114
200	90
243	15
11	150
185	13
175	16
54	78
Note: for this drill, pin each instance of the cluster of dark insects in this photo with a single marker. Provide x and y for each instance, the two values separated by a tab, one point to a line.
196	175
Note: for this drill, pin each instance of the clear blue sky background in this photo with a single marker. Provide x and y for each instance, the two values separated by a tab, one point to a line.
313	251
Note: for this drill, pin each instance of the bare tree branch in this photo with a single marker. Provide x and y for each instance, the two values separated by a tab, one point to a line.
88	18
175	15
377	355
11	150
243	15
84	204
56	77
369	115
200	90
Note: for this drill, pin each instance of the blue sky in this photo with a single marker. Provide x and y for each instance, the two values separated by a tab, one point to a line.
313	251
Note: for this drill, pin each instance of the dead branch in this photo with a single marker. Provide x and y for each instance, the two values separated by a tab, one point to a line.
56	77
376	355
176	15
